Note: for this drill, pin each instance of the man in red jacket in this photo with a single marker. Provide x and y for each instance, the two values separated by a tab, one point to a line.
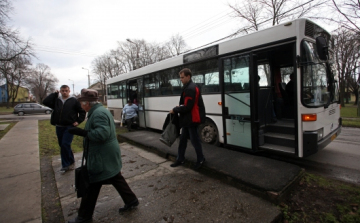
192	113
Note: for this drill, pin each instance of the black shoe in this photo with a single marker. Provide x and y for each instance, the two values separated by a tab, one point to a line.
79	219
199	165
129	206
177	163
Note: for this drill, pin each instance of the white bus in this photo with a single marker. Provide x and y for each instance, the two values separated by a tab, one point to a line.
244	84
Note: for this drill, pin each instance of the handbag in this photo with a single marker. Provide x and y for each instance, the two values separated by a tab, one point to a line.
82	182
170	133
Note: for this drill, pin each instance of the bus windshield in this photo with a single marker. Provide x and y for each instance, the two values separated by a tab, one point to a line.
318	85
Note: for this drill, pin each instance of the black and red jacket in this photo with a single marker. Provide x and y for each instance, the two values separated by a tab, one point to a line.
191	106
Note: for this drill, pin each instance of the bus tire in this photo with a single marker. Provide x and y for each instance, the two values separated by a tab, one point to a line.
209	133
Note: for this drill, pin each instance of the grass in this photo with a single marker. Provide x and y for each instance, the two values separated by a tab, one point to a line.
319	199
11	124
6	111
349	115
48	143
349	111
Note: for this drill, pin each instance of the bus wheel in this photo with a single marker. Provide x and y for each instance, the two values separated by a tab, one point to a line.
208	133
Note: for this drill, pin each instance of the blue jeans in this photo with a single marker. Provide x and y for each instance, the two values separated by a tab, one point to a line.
191	132
64	140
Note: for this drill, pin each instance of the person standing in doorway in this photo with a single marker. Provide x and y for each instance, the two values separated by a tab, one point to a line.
192	113
130	112
67	113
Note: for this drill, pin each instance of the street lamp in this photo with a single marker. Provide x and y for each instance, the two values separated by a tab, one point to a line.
88	75
137	52
73	86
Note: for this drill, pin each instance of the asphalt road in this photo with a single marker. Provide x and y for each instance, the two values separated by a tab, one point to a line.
339	160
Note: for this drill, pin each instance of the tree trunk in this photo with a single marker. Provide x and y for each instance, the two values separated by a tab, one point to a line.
342	89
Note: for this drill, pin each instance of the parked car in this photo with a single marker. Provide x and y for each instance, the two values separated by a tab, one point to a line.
31	108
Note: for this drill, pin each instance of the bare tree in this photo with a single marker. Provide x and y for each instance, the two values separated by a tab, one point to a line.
41	81
349	11
11	45
12	73
134	54
176	45
251	13
258	12
346	47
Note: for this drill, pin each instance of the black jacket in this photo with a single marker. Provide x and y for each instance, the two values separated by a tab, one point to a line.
191	109
64	114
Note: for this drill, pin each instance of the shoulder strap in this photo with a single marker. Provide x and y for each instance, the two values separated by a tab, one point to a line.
85	151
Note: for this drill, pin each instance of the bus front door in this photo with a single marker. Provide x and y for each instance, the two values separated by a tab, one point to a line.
236	101
141	105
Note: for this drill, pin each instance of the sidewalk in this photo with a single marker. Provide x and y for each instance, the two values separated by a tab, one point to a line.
166	194
259	175
20	181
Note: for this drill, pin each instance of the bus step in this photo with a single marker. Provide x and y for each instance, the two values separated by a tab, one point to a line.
283	129
280	139
273	147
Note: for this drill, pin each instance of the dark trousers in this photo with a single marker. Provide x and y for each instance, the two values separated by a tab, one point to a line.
65	140
191	132
88	202
130	121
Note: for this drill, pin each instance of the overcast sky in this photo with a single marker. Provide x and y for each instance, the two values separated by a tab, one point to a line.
69	34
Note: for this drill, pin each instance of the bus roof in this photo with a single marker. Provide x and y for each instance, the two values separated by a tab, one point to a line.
272	34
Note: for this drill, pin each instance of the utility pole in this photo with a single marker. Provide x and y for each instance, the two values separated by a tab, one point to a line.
137	53
73	86
88	75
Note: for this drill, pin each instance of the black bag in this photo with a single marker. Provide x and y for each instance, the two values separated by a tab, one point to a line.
82	182
170	133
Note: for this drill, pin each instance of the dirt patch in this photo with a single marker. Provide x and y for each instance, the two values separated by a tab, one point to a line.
318	199
50	201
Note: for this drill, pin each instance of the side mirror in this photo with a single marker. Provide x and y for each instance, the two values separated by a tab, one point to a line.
322	48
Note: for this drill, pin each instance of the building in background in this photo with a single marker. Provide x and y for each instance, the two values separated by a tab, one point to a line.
100	87
22	95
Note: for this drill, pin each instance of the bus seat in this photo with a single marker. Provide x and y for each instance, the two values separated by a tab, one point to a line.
166	91
209	88
237	87
177	90
246	86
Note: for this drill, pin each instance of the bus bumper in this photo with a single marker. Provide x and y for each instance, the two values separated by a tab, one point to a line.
312	146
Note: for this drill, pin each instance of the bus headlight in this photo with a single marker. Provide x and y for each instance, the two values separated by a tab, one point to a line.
320	133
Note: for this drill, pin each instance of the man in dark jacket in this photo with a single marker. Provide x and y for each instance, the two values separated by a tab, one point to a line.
192	113
103	157
67	113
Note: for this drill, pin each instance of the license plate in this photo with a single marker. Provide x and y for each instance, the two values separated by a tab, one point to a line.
333	137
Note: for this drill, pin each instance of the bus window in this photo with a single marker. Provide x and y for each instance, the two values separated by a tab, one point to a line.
198	79
151	84
212	78
114	91
170	83
237	71
285	74
264	74
206	75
